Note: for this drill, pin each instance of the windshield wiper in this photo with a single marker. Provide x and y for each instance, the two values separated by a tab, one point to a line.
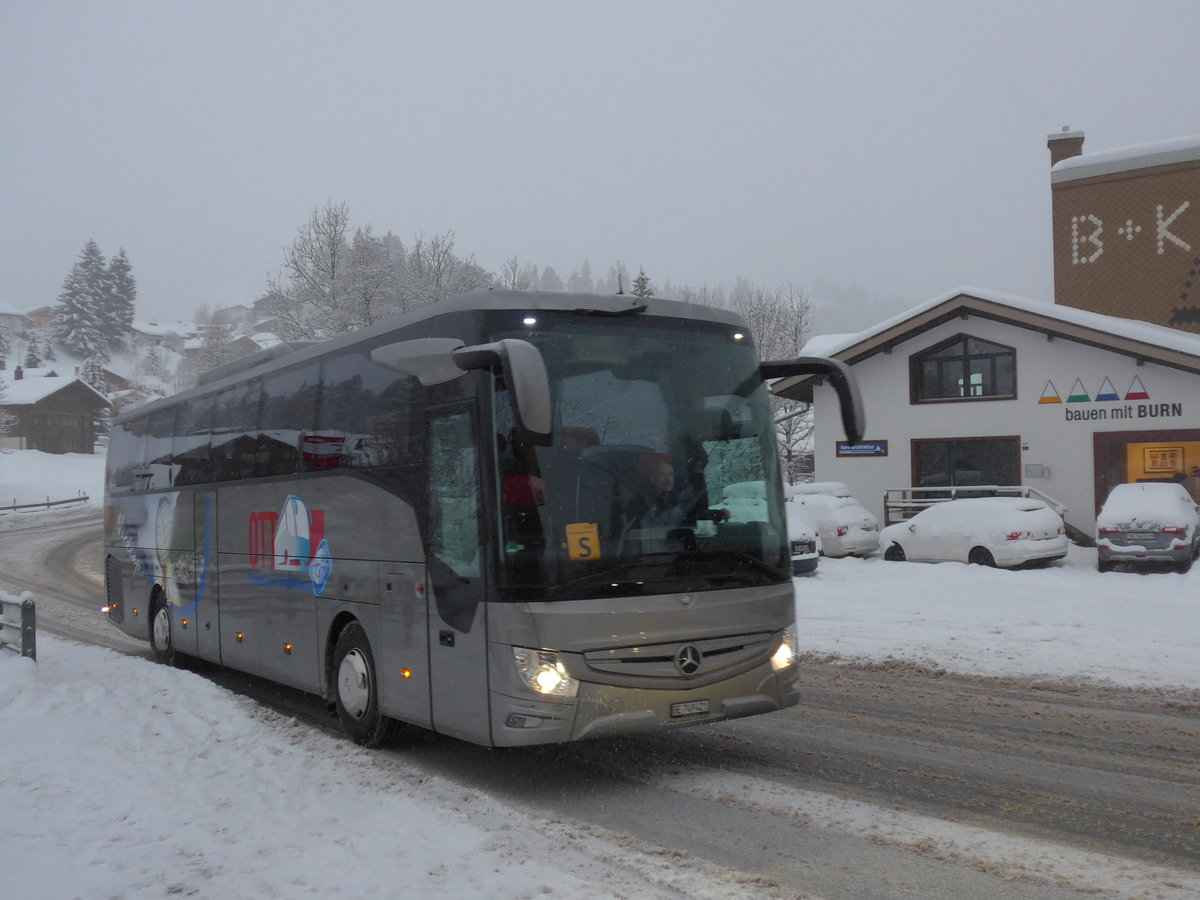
607	576
638	577
753	562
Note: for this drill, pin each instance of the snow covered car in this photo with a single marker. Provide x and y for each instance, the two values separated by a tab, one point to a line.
804	538
989	531
1146	524
746	501
846	527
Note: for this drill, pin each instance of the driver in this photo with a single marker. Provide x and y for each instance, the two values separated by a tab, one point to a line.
662	504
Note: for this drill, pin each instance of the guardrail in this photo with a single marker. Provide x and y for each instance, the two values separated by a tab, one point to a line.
18	627
82	498
900	504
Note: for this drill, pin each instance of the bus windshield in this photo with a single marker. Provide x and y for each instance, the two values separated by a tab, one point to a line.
662	476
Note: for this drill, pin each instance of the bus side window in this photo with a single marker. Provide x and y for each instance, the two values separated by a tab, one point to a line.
233	438
193	434
160	458
454	493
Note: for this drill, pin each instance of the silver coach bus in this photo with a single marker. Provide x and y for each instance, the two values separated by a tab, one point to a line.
497	518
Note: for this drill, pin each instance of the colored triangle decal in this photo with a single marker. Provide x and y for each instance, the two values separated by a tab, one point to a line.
1078	393
1050	394
1136	390
1107	392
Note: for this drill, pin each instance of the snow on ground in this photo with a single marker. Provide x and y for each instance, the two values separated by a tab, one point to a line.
119	784
111	791
30	476
1064	621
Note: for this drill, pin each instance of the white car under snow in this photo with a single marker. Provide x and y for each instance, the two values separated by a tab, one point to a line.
846	526
1148	523
990	531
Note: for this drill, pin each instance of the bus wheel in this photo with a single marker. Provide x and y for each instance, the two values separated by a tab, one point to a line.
356	692
161	645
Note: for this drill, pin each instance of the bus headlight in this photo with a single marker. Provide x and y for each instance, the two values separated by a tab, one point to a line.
785	656
543	672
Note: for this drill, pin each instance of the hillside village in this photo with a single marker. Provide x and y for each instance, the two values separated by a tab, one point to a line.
53	403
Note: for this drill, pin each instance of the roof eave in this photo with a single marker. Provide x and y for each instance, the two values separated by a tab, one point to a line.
964	305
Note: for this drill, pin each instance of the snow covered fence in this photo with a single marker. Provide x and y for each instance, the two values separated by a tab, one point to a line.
16	507
18	626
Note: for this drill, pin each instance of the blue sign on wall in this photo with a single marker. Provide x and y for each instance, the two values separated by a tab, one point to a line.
862	448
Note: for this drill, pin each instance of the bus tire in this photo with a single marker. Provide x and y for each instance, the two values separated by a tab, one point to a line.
161	645
356	690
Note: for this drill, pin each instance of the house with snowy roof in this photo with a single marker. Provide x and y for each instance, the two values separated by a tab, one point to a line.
170	335
11	320
53	414
976	390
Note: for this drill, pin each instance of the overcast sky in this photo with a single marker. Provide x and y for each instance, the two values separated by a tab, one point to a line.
900	147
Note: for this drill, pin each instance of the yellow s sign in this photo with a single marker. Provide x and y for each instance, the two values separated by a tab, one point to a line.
583	541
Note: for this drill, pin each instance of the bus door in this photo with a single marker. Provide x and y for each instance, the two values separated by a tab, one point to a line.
404	629
175	548
208	639
454	577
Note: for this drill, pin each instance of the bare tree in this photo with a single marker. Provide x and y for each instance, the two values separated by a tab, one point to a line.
310	302
431	263
374	279
515	277
7	418
780	322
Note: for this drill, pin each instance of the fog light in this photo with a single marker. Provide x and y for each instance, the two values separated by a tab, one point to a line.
518	721
785	656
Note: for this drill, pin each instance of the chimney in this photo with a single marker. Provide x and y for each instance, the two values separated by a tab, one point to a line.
18	373
1064	145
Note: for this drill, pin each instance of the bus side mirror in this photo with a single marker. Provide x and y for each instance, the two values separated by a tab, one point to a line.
428	359
853	419
525	372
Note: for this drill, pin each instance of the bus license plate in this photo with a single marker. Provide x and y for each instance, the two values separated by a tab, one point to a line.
690	708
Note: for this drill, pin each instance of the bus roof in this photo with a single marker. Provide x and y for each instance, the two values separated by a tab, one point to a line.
598	305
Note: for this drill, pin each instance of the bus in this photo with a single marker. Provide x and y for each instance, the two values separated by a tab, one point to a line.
439	520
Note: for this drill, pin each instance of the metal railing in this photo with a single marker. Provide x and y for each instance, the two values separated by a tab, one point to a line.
18	627
900	504
45	504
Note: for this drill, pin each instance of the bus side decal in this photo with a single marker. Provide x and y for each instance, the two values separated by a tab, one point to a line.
288	550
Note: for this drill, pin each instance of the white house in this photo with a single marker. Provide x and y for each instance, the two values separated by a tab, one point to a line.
978	388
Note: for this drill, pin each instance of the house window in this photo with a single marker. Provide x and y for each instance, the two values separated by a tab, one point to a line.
963	368
959	462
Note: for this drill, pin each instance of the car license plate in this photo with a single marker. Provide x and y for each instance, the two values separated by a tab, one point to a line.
1140	536
690	708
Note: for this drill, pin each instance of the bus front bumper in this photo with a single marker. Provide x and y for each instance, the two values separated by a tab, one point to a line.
603	710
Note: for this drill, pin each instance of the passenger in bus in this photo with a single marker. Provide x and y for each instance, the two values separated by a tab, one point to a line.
521	482
663	504
523	494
